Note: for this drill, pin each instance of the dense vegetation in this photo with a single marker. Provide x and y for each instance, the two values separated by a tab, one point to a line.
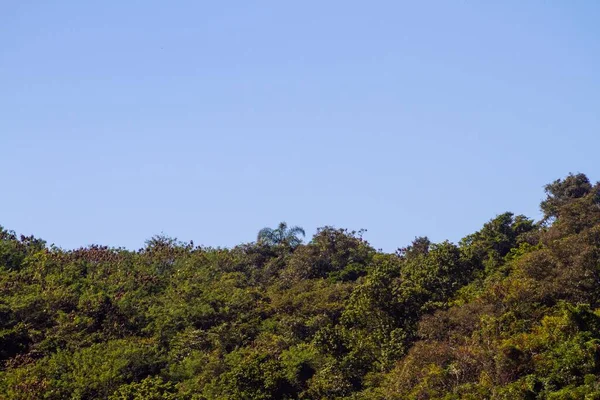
511	312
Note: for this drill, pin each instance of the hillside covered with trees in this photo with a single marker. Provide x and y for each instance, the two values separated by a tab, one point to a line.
510	312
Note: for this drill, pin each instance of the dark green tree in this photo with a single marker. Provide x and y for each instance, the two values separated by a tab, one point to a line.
562	191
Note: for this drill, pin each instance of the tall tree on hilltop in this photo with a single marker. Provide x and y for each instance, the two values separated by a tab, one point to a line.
281	235
564	191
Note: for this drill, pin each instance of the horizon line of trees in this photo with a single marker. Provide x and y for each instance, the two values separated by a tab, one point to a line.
512	311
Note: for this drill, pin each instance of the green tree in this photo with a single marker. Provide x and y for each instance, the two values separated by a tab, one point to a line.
281	235
562	191
151	388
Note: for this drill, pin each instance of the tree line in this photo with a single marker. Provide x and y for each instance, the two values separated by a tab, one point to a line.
512	311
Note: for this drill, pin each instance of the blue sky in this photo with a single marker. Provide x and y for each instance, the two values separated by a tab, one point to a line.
210	120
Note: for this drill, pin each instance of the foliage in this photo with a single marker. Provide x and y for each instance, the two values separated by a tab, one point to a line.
510	312
282	235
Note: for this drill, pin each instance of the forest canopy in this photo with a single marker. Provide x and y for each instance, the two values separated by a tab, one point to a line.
512	311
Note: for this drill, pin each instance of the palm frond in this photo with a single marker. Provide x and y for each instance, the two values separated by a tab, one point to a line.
295	230
265	234
282	227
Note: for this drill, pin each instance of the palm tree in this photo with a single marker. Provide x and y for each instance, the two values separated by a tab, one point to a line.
281	235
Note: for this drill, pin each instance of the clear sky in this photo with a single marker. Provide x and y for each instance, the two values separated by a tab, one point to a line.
208	120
